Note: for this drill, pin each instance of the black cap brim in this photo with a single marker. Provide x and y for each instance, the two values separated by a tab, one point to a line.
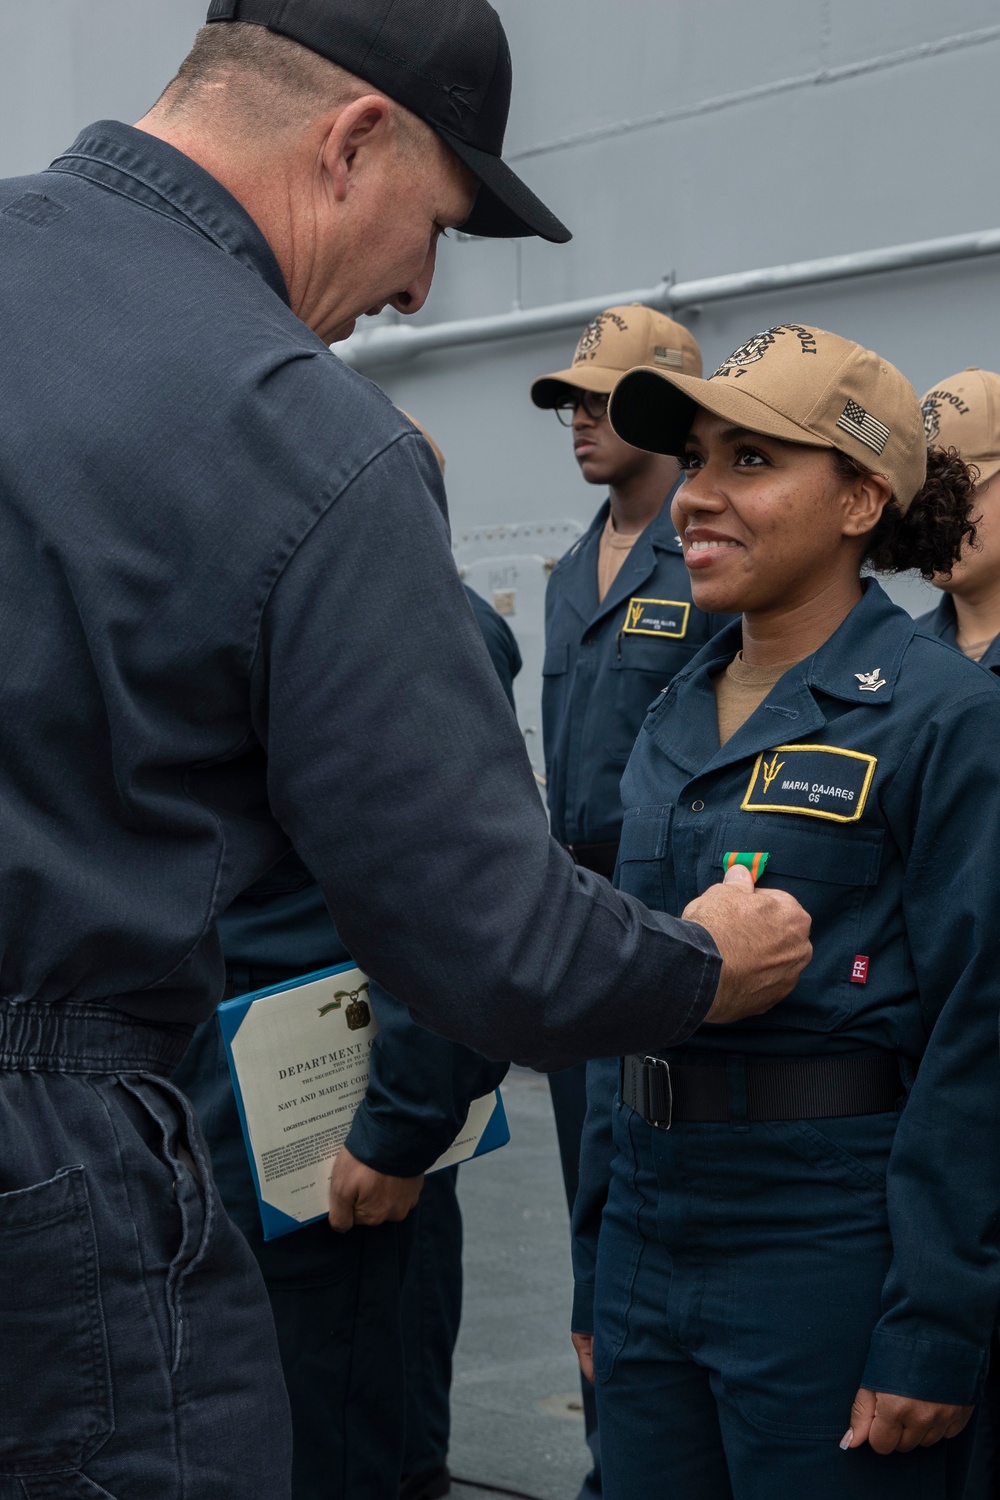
652	410
505	207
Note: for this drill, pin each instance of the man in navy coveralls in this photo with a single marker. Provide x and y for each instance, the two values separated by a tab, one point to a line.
233	625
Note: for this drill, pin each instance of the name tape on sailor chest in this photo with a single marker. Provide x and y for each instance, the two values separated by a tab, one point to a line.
816	781
666	617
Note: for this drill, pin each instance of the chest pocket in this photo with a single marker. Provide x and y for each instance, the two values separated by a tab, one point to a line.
830	871
654	654
555	662
642	856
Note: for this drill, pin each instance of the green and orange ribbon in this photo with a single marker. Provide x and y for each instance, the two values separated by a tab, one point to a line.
755	863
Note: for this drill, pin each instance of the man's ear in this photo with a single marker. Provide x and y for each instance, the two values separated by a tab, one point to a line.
351	133
865	501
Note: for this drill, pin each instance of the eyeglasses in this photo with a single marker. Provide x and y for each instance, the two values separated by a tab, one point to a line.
594	403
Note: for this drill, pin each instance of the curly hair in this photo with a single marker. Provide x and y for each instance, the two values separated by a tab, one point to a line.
930	535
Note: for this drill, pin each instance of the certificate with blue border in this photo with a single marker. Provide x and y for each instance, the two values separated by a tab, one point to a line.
298	1055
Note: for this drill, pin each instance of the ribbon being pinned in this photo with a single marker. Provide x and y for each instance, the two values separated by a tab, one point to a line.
755	863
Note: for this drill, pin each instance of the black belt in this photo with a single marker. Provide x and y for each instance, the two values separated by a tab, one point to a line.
750	1088
600	858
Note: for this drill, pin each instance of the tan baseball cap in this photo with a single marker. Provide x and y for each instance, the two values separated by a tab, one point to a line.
963	412
792	382
615	341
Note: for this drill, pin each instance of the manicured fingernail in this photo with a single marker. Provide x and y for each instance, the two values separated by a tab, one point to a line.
847	1439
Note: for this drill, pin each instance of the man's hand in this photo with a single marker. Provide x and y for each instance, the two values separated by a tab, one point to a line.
763	937
583	1343
360	1195
895	1424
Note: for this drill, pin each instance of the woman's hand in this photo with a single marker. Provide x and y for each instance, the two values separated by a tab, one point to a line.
583	1343
360	1195
895	1424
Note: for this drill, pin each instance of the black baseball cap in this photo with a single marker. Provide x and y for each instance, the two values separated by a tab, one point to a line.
447	61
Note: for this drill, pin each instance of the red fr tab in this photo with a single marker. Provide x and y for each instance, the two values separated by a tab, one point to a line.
859	969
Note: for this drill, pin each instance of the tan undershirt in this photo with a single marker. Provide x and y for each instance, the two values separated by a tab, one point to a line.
739	692
613	550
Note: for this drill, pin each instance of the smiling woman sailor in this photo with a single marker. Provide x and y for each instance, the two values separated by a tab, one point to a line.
800	1233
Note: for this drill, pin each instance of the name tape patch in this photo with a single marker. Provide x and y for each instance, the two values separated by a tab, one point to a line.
668	617
817	781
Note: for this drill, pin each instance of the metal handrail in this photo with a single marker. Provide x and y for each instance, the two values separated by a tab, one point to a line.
388	346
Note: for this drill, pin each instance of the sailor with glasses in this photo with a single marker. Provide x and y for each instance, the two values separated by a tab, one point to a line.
619	623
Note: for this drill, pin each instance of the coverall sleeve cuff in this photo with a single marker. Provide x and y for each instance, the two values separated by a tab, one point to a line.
397	1149
924	1369
583	1307
708	982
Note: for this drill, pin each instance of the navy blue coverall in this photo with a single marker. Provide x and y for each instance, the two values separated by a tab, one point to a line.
605	661
984	1472
367	1321
942	622
232	626
752	1275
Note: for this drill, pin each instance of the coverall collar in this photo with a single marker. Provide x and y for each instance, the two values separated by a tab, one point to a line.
859	664
580	576
151	172
943	622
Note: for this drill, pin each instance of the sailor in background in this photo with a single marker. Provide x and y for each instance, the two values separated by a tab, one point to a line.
963	412
800	1235
367	1320
619	622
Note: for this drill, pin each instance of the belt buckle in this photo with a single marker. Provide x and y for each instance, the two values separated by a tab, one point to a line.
660	1070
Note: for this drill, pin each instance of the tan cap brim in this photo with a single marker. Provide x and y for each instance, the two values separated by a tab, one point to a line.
653	410
548	390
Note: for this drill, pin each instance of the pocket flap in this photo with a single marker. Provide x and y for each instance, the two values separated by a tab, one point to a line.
660	654
645	832
841	856
555	661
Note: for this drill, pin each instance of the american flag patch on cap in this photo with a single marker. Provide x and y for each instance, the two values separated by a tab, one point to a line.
862	425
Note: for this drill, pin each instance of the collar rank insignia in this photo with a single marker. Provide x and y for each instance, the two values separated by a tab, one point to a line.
755	863
871	681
